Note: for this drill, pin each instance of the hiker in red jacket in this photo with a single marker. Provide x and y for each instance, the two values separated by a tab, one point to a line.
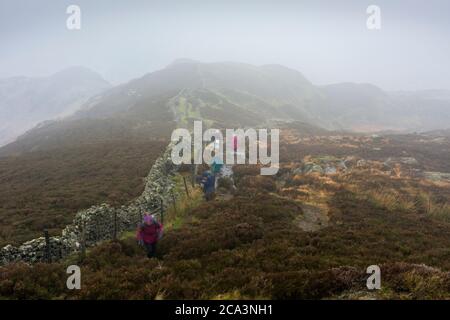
235	143
148	234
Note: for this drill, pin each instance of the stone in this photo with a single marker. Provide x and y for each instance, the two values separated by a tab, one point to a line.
361	163
330	170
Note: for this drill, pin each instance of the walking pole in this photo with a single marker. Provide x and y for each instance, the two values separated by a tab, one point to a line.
162	211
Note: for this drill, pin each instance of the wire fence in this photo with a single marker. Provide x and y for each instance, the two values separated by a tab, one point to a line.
95	232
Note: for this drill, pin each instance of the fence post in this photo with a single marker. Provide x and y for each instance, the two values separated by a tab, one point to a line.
174	201
194	175
83	241
60	252
429	204
162	211
47	246
115	226
186	187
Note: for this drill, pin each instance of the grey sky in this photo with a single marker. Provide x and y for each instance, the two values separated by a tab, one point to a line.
326	40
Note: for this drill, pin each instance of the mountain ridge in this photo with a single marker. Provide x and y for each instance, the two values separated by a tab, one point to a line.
234	94
26	101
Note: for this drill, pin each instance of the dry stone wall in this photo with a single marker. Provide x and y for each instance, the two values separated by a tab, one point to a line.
100	222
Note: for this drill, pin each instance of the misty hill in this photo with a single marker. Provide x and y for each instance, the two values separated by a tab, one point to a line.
25	102
222	94
230	94
234	93
366	108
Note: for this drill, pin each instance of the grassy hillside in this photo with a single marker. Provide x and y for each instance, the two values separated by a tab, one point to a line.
60	167
253	246
44	189
295	235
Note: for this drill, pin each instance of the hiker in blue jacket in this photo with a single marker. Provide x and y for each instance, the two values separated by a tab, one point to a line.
208	182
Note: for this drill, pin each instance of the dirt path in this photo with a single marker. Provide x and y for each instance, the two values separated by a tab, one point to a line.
313	218
226	172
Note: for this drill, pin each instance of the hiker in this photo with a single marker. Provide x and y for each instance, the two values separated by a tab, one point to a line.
148	234
208	181
235	143
216	168
216	165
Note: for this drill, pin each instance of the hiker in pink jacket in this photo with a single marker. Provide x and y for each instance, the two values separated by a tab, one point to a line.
148	234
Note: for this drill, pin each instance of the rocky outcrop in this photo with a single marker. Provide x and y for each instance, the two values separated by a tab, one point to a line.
330	165
100	222
322	165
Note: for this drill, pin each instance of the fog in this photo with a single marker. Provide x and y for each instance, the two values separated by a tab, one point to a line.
328	41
